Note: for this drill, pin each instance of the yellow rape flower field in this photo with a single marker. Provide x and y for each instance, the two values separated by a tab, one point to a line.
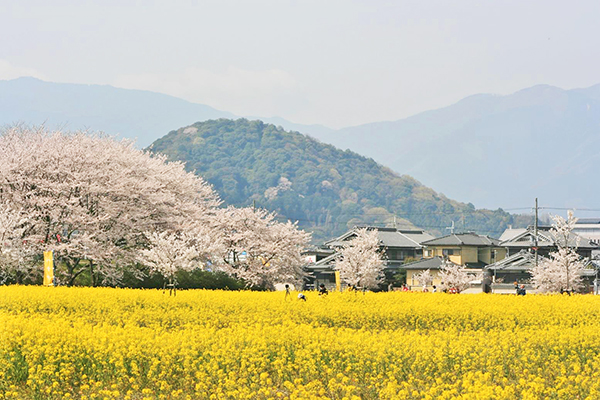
100	343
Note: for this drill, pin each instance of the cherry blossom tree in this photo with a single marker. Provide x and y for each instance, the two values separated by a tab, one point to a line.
455	277
260	250
91	198
170	252
564	267
16	256
425	278
361	262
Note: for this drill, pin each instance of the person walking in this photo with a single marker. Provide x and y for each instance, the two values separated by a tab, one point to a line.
288	294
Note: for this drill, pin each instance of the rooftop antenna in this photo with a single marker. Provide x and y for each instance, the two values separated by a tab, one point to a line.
451	228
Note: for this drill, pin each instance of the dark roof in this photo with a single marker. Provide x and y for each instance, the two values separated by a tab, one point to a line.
388	237
475	265
520	261
545	239
524	260
588	221
425	263
318	250
462	239
326	262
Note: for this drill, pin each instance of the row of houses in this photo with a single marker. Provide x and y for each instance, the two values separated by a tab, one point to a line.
411	251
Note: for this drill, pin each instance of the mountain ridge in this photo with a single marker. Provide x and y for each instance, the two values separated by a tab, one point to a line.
326	189
461	148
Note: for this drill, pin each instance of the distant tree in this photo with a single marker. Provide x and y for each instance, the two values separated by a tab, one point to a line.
454	276
425	278
169	253
259	249
361	262
564	267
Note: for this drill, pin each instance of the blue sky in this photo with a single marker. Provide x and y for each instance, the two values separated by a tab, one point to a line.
337	63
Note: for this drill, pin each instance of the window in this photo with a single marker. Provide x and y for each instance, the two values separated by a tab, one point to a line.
450	252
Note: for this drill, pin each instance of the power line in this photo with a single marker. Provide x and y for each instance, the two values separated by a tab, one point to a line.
571	209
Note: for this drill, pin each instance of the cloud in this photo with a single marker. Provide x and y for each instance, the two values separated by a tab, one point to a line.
244	92
9	71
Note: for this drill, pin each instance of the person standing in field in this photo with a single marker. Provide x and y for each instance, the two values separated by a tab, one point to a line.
288	295
322	290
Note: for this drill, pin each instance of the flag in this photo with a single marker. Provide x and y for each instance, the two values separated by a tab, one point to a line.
48	269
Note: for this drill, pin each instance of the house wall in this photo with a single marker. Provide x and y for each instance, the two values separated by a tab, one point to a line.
469	255
413	284
485	254
438	251
501	253
402	253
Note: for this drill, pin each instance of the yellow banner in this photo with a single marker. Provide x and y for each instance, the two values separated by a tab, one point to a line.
48	268
338	281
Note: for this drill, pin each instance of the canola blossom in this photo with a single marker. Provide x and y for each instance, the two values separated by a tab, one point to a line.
101	343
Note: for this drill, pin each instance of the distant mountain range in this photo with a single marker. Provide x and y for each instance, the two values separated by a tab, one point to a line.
493	151
135	114
325	189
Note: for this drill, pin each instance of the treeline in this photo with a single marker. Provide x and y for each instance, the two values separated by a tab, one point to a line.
138	277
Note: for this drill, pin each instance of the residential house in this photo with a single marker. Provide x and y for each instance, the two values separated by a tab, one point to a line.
397	246
516	240
521	246
468	249
515	268
433	264
588	228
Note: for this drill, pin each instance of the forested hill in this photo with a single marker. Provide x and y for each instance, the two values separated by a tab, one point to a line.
325	189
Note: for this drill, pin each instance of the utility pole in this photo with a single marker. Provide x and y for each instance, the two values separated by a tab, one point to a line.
535	232
395	226
254	205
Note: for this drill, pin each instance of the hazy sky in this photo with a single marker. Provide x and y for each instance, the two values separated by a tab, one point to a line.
337	63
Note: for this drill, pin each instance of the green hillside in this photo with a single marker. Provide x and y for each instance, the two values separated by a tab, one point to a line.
325	189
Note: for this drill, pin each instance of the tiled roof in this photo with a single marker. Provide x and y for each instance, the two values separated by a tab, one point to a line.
520	261
425	263
584	221
388	237
462	239
545	239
